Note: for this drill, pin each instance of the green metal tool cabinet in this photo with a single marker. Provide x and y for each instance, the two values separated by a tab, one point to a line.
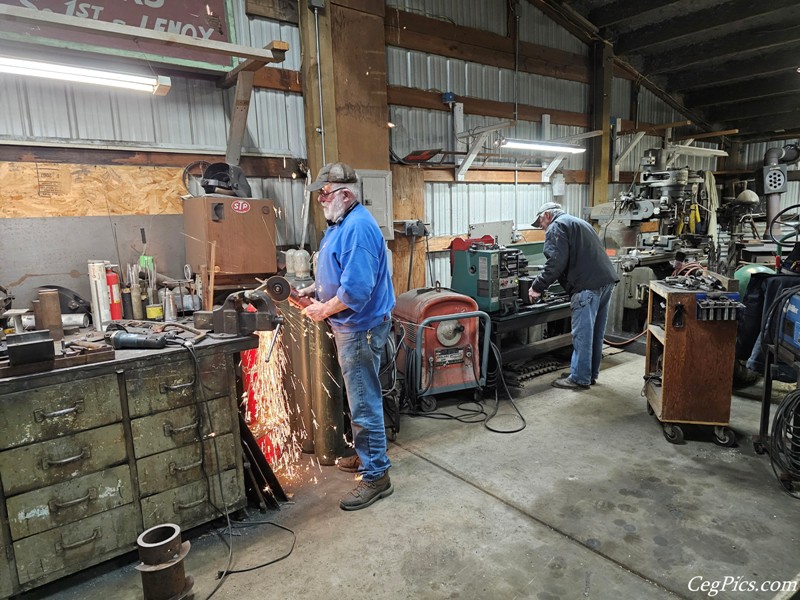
91	456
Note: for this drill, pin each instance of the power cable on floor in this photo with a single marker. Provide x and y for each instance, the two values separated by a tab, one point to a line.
221	575
200	403
499	359
784	453
624	342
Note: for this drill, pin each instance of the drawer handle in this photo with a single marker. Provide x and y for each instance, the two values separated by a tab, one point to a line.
170	430
91	494
173	468
171	387
40	416
61	546
194	504
49	462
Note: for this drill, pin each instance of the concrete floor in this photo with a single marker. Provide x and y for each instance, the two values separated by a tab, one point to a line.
589	501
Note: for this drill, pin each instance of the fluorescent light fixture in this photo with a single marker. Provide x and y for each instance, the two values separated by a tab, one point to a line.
540	146
156	85
695	150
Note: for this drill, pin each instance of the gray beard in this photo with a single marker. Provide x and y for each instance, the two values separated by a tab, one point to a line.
334	209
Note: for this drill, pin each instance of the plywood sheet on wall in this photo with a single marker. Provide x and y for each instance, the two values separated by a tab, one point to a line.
72	190
409	203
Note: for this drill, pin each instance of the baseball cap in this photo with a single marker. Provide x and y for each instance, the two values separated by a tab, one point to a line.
542	209
337	172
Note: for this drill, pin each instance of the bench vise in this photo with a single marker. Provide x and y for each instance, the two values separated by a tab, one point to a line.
235	317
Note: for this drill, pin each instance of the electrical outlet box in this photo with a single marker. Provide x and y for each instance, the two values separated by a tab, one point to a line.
320	4
376	192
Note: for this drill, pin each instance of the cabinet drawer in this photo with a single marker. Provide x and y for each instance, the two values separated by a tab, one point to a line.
7	571
178	467
189	505
39	465
67	502
57	410
76	546
166	386
175	428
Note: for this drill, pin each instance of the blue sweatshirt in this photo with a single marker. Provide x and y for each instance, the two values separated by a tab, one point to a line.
352	264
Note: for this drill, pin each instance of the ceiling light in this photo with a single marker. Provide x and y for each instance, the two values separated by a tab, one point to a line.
156	85
540	146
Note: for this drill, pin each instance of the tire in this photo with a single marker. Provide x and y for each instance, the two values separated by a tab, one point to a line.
673	433
724	436
427	404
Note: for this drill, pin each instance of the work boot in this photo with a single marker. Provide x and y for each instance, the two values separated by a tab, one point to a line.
566	375
567	384
366	493
349	464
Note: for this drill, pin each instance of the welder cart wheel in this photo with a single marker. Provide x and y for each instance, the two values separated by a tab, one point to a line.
759	448
650	410
427	404
673	433
724	436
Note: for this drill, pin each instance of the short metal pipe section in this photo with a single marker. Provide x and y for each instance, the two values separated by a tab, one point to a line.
162	553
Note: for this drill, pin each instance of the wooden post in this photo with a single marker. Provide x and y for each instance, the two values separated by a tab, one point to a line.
409	204
602	71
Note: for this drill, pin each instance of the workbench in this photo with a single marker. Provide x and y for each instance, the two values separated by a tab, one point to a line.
528	316
93	455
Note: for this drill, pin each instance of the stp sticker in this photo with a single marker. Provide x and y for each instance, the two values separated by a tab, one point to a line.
240	206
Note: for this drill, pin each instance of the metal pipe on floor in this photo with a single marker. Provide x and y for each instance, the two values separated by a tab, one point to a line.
162	553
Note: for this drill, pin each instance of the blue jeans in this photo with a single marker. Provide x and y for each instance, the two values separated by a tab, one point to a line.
589	316
360	358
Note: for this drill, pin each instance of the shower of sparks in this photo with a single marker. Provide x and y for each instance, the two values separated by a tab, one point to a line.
270	416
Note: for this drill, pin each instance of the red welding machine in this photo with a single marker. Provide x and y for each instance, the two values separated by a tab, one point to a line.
438	333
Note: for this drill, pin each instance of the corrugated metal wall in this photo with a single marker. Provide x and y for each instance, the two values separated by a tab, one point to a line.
193	117
409	68
452	207
654	110
536	28
480	14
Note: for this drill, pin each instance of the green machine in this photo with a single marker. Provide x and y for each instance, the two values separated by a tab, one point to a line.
488	273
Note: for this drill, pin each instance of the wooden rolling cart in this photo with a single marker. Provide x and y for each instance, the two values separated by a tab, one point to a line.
691	339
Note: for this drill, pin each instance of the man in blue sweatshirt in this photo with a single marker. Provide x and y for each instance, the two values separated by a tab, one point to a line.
354	293
576	258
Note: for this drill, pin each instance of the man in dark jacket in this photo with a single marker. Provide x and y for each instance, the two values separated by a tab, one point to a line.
576	258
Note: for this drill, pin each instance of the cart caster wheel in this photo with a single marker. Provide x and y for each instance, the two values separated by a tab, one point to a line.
724	436
392	436
650	410
673	433
427	404
759	448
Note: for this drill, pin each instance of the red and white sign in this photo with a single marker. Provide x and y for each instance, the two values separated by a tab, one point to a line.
240	206
206	20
